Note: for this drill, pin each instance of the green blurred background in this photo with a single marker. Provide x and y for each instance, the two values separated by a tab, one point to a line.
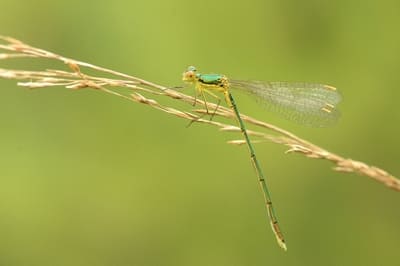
90	179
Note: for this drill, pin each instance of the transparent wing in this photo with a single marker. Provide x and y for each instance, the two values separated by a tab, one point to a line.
309	104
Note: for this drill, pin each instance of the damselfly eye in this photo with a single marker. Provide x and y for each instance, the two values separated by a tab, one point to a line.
190	74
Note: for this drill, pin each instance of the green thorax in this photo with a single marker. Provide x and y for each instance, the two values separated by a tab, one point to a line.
210	78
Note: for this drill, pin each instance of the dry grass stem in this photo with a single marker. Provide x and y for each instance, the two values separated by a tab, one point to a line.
73	77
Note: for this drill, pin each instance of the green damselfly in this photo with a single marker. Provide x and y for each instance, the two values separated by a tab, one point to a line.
306	103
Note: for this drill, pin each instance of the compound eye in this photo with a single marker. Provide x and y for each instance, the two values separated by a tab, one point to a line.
190	74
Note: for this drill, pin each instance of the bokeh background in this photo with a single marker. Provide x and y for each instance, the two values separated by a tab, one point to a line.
90	179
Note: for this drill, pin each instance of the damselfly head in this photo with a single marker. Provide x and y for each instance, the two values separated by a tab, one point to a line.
189	75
